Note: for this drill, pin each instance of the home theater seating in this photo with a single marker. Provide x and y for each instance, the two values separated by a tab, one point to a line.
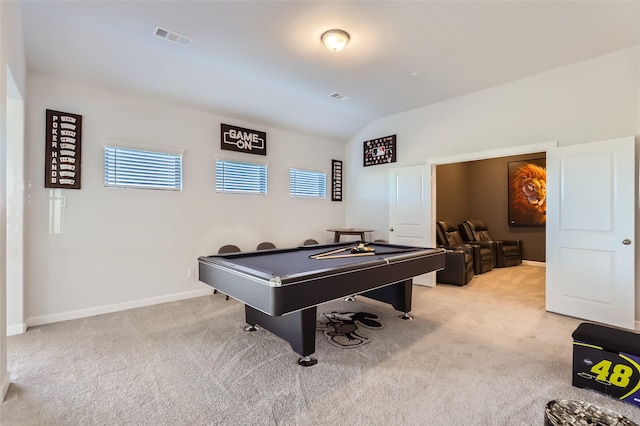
448	236
506	252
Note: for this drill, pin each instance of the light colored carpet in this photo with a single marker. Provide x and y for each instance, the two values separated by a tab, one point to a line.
484	354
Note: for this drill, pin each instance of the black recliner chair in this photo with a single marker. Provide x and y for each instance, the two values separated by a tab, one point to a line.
507	252
458	263
448	236
458	268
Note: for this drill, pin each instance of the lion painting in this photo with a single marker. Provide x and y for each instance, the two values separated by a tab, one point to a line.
528	195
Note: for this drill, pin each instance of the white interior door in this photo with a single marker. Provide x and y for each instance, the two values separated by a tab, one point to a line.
410	211
590	231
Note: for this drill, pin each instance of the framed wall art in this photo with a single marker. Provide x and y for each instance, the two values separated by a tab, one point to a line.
336	180
239	139
379	151
527	192
62	164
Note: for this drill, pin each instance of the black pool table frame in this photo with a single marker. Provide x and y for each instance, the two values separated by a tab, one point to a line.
281	288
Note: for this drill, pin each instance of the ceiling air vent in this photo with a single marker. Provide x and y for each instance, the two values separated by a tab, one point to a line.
173	36
339	96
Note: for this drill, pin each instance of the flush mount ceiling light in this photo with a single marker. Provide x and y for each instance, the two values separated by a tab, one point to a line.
335	40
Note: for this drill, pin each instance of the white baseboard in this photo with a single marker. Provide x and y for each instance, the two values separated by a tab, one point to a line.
107	309
534	263
14	329
6	381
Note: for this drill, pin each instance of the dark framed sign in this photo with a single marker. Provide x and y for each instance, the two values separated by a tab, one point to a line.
379	151
528	192
336	180
239	139
62	164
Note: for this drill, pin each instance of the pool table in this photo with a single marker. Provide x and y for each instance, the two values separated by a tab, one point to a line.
281	288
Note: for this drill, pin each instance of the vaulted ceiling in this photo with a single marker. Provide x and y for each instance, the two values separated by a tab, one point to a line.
263	62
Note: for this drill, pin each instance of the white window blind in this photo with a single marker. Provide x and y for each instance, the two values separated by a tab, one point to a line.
136	168
235	176
307	183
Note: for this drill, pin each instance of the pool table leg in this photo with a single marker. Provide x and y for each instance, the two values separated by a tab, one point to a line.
397	295
298	328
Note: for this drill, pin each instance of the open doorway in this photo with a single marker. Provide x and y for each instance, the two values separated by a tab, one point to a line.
522	150
479	190
596	237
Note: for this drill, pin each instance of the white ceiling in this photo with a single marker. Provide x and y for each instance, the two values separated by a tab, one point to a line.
263	62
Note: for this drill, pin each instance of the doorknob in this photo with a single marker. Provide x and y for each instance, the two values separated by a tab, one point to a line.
391	229
626	241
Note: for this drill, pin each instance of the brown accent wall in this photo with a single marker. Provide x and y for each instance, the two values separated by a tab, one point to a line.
478	190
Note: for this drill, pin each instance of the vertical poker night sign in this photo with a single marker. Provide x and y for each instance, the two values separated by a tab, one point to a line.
62	160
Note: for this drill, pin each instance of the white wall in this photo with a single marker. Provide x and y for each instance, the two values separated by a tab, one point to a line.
588	101
123	248
12	72
15	198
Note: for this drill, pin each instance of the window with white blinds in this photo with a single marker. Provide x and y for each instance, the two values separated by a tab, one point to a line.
137	168
239	177
307	183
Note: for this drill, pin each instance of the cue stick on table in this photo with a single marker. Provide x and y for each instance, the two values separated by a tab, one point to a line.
366	253
315	256
338	256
